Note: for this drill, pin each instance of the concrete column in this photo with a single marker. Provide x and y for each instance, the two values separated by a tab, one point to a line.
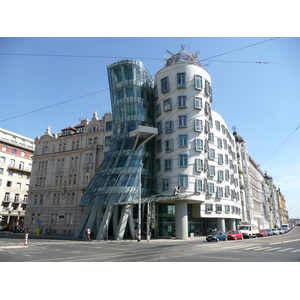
221	224
181	220
231	224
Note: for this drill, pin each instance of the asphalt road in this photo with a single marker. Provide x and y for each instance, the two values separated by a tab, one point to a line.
282	248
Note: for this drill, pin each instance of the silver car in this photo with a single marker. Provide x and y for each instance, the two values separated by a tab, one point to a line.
275	231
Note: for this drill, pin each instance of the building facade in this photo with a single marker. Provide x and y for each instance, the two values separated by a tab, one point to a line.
194	151
188	178
15	171
117	188
62	168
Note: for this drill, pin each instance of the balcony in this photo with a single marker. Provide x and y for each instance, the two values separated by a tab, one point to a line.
20	169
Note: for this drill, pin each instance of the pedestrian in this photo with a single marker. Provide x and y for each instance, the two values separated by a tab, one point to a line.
88	234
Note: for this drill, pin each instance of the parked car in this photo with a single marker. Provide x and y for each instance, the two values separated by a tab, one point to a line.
217	236
262	233
270	232
1	228
281	230
275	231
235	235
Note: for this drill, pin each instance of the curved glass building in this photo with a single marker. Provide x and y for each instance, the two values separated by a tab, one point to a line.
116	185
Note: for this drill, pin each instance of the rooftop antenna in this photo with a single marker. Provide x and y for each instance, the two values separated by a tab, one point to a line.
234	128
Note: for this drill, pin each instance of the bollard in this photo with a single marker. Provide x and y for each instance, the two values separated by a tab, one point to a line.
26	239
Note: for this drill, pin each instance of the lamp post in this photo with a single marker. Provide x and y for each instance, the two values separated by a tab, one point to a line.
139	203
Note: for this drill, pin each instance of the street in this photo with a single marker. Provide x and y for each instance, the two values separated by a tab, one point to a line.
281	248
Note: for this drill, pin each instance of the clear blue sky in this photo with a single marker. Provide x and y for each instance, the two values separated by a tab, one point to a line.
261	100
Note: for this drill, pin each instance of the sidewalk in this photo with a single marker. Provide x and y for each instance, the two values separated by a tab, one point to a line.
5	244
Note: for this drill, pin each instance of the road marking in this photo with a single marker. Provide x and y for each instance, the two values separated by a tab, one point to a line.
276	248
285	249
262	248
294	251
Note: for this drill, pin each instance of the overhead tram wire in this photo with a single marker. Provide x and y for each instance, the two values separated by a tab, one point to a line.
56	104
89	56
240	48
280	146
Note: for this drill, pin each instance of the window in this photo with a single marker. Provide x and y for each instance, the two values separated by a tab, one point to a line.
157	165
207	108
157	110
211	137
159	127
169	126
2	160
118	74
227	174
108	126
167	104
211	154
87	176
165	184
198	82
183	160
8	184
89	158
211	188
181	80
1	171
198	125
219	143
183	180
181	101
218	127
198	185
208	207
207	88
182	140
107	140
227	209
199	144
220	192
227	191
18	185
220	175
218	208
168	164
220	159
199	165
182	121
128	72
165	85
211	171
198	102
158	145
169	145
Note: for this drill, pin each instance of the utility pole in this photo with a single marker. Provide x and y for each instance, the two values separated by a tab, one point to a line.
139	204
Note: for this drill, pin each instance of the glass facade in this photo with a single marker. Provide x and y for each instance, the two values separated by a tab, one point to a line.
116	181
165	214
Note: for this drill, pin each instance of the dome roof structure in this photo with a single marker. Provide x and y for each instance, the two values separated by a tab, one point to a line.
238	138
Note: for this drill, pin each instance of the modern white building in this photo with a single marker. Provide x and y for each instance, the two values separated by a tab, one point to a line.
15	170
63	166
194	151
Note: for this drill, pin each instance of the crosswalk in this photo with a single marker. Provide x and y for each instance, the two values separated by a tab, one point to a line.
259	248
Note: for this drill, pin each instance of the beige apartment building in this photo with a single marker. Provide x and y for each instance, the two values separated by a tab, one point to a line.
15	169
62	168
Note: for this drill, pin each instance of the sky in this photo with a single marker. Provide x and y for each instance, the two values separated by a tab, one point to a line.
58	81
261	100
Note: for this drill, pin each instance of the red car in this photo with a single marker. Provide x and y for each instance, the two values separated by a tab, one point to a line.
262	233
234	235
